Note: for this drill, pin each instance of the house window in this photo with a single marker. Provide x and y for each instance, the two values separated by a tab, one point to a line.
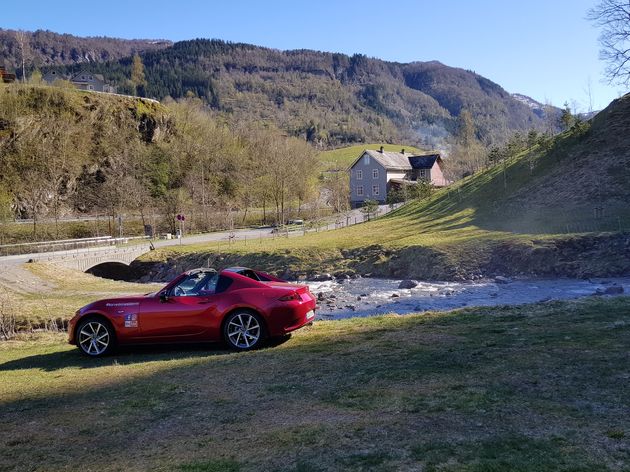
360	191
375	174
359	175
90	87
375	190
423	173
366	160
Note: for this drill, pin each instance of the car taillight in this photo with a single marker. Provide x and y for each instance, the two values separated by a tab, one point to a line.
290	297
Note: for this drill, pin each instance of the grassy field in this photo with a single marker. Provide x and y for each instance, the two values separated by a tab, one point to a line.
535	388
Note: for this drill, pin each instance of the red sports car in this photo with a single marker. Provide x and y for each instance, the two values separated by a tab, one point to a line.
240	306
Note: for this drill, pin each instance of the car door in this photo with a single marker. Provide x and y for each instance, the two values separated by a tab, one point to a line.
176	318
185	313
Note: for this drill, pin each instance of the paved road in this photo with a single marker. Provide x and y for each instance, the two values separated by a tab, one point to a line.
339	221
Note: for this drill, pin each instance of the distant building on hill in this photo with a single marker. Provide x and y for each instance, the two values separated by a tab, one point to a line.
5	76
375	173
82	80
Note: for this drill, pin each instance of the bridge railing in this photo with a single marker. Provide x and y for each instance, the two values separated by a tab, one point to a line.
65	245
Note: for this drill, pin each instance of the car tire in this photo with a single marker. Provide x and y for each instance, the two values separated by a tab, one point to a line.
95	337
244	330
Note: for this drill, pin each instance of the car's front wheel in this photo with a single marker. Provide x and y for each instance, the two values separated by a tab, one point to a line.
243	330
95	337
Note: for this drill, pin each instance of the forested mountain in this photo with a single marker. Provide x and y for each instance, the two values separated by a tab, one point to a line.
45	48
327	98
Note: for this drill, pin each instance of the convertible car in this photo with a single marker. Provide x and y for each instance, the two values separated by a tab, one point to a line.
239	306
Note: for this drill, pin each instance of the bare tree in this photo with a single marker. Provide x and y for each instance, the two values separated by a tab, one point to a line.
23	41
613	16
589	93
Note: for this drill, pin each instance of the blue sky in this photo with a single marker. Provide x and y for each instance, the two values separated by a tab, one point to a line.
542	48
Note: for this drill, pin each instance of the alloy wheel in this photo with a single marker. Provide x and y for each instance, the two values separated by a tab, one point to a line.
94	338
243	330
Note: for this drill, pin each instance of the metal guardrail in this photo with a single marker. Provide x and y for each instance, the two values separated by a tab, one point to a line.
64	245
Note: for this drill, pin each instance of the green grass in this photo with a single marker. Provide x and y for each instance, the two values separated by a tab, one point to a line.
534	388
342	158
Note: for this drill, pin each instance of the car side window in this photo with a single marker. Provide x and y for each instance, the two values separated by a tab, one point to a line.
249	274
223	284
197	284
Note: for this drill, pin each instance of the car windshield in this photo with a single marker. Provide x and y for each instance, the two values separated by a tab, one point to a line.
198	283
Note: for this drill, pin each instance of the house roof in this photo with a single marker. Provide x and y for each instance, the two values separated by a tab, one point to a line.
76	77
389	160
423	162
399	161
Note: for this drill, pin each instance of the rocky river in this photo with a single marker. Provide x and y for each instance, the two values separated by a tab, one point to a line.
344	298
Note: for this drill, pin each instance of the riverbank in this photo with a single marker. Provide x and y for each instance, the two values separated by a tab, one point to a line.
457	255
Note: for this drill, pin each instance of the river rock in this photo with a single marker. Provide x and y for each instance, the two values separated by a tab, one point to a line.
321	296
408	284
612	290
395	295
321	277
502	280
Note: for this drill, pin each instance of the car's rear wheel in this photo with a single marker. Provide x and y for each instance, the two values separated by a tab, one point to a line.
243	330
95	337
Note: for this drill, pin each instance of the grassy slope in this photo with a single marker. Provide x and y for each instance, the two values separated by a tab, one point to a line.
530	211
534	388
65	291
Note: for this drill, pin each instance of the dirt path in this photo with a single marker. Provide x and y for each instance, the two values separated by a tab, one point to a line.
18	279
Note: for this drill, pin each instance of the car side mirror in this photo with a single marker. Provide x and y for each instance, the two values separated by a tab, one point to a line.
163	297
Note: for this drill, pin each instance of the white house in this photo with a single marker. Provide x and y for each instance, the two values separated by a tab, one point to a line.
374	173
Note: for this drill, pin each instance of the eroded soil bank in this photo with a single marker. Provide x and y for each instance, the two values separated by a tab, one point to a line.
579	257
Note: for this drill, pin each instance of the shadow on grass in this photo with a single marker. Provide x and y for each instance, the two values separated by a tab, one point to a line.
346	399
125	355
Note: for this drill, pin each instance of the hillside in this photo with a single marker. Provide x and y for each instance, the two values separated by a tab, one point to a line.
45	48
328	98
579	179
558	209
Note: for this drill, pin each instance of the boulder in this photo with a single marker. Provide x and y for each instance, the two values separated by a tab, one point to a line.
408	284
614	290
321	277
395	295
611	290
